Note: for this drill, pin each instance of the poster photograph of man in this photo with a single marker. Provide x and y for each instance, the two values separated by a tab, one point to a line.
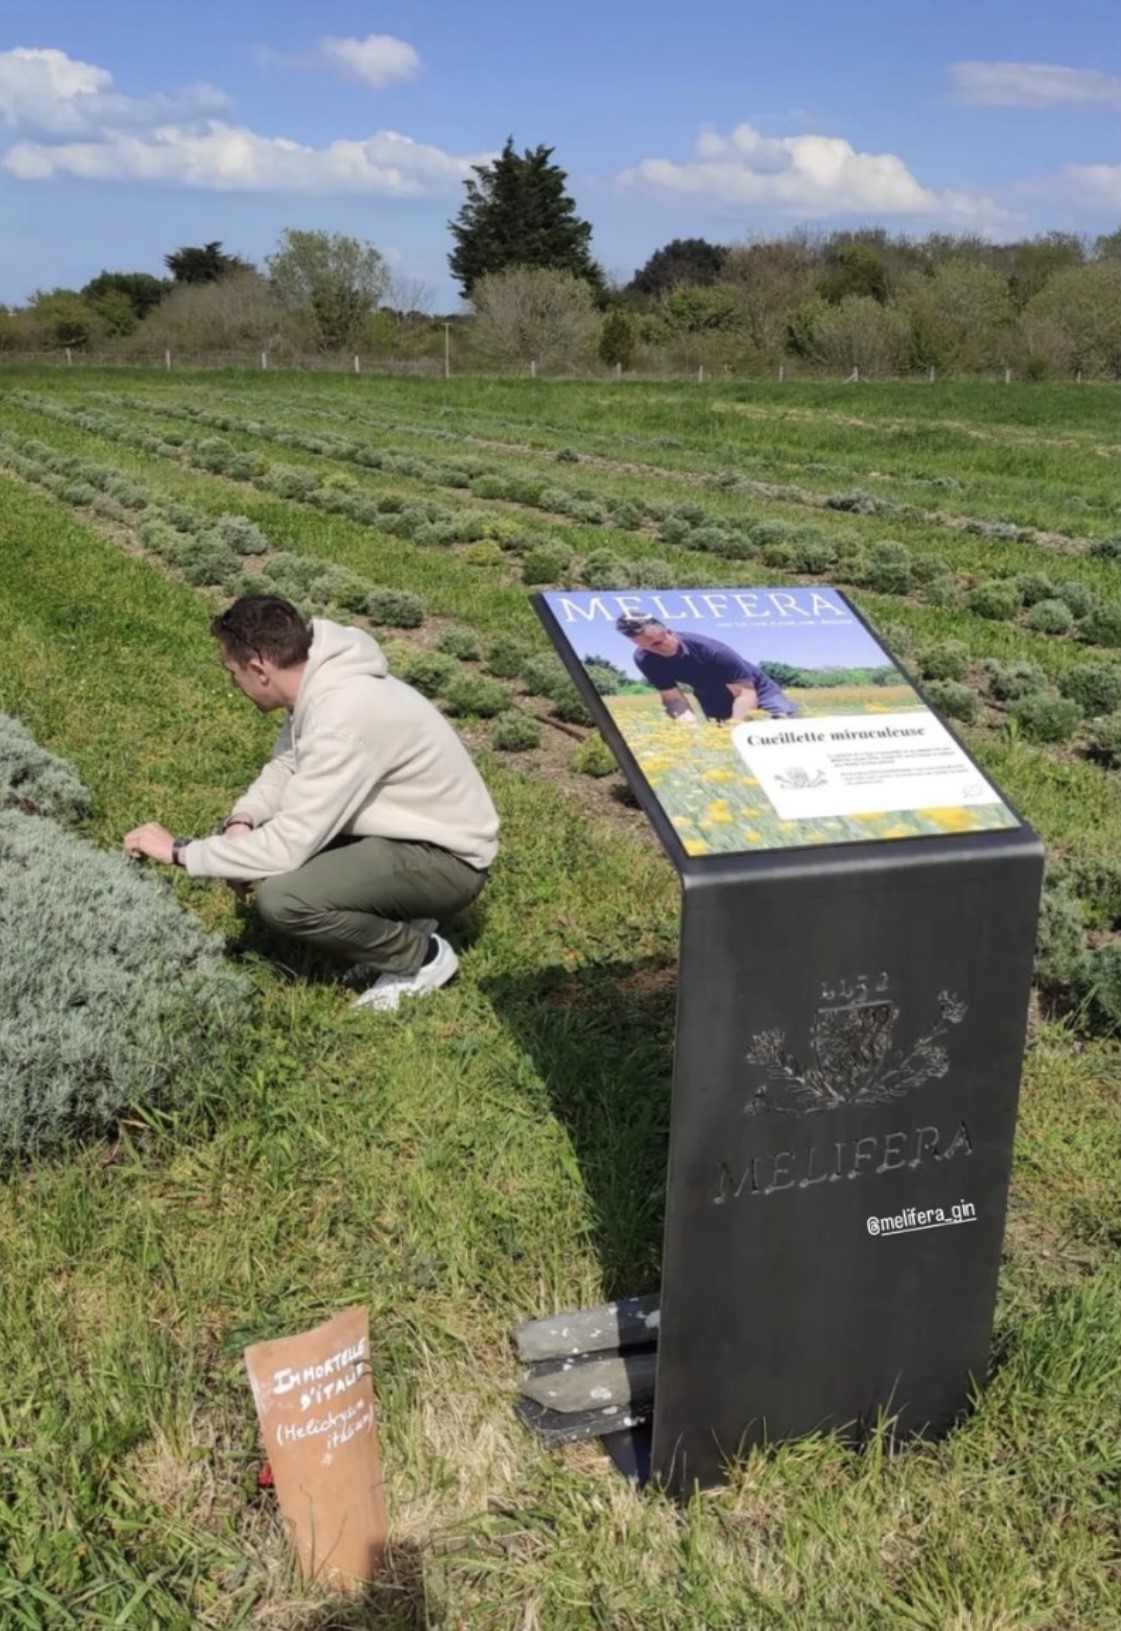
771	719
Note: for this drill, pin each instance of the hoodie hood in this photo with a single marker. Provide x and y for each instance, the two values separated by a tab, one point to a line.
338	655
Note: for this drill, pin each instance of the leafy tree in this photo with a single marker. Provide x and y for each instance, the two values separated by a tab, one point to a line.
64	317
694	310
140	289
771	280
338	280
517	213
617	339
854	268
607	677
203	263
532	314
960	315
1034	261
1083	305
114	313
683	260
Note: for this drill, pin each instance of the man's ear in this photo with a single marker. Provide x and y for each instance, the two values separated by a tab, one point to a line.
259	666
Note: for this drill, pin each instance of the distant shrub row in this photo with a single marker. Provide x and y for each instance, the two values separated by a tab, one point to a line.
209	552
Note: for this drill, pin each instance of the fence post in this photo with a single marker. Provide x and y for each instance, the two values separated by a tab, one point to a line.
167	360
1078	377
447	351
700	373
69	358
930	376
781	372
1008	376
357	364
533	370
618	370
264	359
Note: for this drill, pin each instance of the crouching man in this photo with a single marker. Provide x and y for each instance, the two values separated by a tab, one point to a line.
369	827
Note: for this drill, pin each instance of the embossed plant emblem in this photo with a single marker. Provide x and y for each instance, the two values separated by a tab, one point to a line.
797	778
853	1057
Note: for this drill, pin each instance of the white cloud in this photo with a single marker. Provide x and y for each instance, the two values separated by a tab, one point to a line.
220	157
377	61
806	176
1092	188
1033	85
46	91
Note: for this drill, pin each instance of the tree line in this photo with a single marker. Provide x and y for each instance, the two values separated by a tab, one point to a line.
1045	306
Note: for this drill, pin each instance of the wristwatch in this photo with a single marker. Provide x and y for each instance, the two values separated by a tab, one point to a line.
178	845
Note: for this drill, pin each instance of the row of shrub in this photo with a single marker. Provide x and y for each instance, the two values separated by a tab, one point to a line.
1086	698
208	552
584	506
1035	600
112	998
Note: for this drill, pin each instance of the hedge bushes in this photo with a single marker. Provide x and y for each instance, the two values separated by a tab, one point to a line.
108	990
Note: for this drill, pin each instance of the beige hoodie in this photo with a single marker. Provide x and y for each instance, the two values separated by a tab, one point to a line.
360	754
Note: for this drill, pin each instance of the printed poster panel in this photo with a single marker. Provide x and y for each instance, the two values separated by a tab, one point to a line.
315	1403
772	719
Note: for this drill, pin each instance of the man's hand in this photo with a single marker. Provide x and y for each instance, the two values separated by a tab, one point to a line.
238	829
150	842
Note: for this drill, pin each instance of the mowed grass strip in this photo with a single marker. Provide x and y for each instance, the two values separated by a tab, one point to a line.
496	1155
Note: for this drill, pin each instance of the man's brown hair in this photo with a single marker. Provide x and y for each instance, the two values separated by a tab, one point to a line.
263	626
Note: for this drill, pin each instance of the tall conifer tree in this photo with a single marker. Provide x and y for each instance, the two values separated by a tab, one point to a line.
518	213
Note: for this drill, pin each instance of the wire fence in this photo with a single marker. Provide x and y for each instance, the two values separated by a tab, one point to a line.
449	366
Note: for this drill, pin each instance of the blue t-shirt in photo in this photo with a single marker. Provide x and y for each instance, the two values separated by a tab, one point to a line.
709	666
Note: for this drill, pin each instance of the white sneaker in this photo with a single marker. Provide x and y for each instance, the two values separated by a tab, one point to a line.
388	990
361	974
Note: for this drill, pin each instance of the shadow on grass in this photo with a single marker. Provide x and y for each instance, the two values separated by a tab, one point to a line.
398	1600
602	1041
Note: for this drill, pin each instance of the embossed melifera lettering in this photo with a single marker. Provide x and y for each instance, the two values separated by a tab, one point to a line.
864	1157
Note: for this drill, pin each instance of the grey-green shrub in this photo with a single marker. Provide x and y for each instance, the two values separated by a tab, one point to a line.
940	591
1080	599
652	573
1097	988
462	643
33	780
1102	627
889	569
1034	587
547	565
1008	681
1107	548
545	675
394	608
506	655
1103	741
241	534
476	694
1051	617
1096	687
1060	935
430	672
206	560
110	995
1046	716
594	758
953	699
516	732
947	660
605	570
997	601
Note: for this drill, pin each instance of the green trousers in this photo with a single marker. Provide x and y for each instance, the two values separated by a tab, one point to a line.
355	898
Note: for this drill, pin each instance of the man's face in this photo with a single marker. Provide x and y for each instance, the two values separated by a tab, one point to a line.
252	679
661	641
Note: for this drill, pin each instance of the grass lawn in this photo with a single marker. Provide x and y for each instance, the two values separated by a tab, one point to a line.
498	1152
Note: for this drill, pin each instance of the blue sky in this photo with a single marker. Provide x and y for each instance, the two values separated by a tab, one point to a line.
129	128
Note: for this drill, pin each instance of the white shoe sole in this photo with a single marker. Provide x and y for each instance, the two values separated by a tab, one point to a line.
388	992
